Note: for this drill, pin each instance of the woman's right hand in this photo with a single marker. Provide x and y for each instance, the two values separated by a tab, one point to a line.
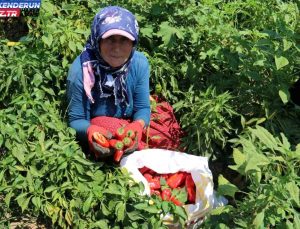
97	149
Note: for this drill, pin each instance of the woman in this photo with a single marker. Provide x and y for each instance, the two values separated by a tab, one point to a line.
108	83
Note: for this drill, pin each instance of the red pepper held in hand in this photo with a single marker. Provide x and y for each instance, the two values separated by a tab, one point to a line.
118	155
130	134
120	133
100	139
116	144
127	141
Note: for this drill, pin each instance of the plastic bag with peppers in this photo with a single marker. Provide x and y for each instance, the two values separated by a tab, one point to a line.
180	171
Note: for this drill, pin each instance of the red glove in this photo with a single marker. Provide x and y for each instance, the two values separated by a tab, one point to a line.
97	149
137	127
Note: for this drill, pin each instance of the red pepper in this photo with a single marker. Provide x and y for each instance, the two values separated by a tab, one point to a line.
116	144
148	177
175	201
143	169
127	141
176	179
154	192
120	133
118	155
191	189
130	134
166	194
152	172
101	139
154	183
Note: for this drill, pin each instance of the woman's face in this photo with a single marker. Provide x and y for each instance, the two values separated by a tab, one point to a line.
115	50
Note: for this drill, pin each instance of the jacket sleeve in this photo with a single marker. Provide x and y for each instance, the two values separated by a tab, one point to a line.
78	104
141	100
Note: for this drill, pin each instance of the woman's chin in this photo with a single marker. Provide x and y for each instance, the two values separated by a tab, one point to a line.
116	62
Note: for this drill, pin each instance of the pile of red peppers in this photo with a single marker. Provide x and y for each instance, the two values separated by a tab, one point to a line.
178	188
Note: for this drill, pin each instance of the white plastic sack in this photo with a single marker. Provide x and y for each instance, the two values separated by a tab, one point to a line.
166	161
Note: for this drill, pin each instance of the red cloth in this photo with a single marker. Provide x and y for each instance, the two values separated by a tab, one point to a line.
163	132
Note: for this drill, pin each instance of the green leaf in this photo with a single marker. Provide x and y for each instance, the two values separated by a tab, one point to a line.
62	39
113	189
49	91
280	62
294	192
165	206
83	161
36	200
259	63
23	201
47	39
102	224
72	46
180	212
255	161
120	211
147	31
135	215
146	207
63	165
141	206
68	217
2	174
50	189
221	210
87	203
19	154
239	157
225	187
8	198
1	139
167	33
286	44
258	221
265	137
296	220
284	95
105	209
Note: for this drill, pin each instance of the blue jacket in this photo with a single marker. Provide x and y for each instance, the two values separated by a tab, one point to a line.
81	110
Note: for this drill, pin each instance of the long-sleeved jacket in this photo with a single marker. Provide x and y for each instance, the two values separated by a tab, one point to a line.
81	110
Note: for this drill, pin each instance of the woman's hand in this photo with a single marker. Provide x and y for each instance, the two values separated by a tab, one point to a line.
97	149
137	127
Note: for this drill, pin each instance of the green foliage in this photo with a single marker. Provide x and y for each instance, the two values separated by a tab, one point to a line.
45	174
272	167
207	117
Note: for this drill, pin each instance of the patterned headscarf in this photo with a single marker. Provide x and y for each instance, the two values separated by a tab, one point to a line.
112	80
